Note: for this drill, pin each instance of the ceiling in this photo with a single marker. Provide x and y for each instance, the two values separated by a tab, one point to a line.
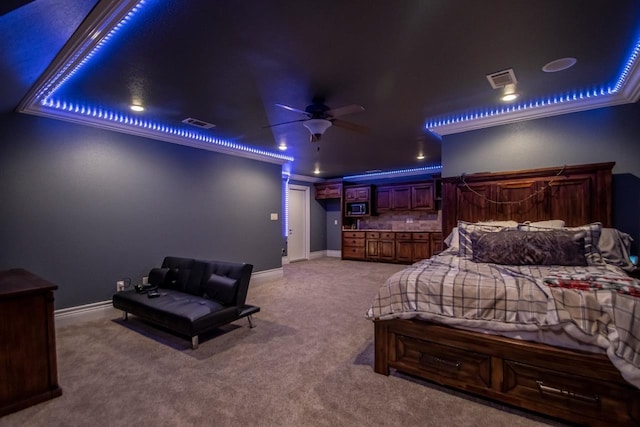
409	63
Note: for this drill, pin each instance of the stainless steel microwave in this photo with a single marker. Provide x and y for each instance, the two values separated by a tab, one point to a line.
357	209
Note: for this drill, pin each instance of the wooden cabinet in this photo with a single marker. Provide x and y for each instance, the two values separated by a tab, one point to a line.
393	198
328	190
422	197
357	201
413	247
404	247
353	245
28	369
418	197
422	246
388	246
436	243
357	194
380	246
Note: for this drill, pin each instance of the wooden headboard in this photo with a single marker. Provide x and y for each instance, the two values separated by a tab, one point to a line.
578	195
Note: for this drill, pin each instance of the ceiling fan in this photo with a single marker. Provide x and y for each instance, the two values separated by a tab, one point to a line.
320	117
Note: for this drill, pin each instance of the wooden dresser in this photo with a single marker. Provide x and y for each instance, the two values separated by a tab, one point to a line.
28	369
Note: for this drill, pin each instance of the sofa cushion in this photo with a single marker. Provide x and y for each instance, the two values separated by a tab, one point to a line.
178	274
221	288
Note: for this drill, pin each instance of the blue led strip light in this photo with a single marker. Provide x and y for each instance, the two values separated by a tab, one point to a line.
46	100
63	75
396	172
576	95
120	118
627	67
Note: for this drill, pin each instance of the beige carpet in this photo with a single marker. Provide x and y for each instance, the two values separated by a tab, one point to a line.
308	362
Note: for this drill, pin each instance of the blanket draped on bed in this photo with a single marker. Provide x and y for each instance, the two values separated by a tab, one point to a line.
595	306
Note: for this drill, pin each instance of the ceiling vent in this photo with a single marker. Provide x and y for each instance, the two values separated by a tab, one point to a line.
502	78
198	123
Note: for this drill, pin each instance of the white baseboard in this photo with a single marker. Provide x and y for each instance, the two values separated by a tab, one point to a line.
85	313
104	309
334	254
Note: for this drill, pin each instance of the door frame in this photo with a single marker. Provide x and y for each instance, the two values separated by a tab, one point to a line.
306	219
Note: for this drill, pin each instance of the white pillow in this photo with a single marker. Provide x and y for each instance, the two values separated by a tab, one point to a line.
453	239
555	224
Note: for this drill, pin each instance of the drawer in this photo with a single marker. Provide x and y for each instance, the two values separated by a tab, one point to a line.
351	252
385	235
357	243
445	364
420	236
567	392
373	235
403	236
353	234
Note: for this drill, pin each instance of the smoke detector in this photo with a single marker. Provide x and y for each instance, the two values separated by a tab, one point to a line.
500	79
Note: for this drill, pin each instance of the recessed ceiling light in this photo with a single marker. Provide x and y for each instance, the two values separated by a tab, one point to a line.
510	97
420	157
137	108
317	171
282	146
559	65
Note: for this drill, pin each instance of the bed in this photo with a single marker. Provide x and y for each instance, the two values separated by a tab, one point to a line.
521	307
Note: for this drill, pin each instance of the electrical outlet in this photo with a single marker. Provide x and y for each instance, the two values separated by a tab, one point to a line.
145	280
120	286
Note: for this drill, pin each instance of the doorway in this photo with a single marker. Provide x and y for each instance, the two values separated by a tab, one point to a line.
298	234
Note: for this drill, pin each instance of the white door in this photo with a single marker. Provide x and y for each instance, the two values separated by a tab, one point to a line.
298	233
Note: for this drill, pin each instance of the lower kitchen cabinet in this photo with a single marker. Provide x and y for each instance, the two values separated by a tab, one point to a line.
381	246
386	246
353	245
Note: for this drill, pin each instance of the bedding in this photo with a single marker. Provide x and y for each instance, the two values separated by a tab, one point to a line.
530	300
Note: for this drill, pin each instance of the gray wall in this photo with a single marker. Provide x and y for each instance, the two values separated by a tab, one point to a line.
84	207
602	135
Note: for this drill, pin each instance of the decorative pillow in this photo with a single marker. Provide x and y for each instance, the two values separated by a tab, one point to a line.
466	228
221	289
555	224
516	247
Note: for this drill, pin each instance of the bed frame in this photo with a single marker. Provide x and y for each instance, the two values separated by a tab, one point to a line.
578	387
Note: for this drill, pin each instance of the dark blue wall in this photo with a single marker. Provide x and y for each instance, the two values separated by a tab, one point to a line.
84	207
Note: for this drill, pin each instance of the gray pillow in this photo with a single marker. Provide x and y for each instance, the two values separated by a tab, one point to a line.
515	247
615	248
221	288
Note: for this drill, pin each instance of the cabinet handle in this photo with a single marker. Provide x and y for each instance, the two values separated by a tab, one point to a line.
428	359
568	394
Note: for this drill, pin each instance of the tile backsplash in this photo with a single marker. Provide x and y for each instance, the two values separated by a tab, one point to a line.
403	221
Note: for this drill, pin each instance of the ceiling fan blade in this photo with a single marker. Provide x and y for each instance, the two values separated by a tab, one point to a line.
351	126
343	111
285	123
295	110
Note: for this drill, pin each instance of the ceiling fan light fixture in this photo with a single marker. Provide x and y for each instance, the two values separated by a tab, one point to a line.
317	126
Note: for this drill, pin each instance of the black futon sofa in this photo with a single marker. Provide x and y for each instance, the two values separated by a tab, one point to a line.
194	296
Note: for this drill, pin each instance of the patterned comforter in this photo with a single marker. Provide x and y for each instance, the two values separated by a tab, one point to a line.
594	306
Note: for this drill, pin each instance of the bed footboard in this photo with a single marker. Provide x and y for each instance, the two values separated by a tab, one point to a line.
579	387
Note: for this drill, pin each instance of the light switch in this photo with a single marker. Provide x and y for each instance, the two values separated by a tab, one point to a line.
335	222
274	216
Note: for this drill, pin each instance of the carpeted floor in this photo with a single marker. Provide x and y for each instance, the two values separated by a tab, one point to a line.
308	362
